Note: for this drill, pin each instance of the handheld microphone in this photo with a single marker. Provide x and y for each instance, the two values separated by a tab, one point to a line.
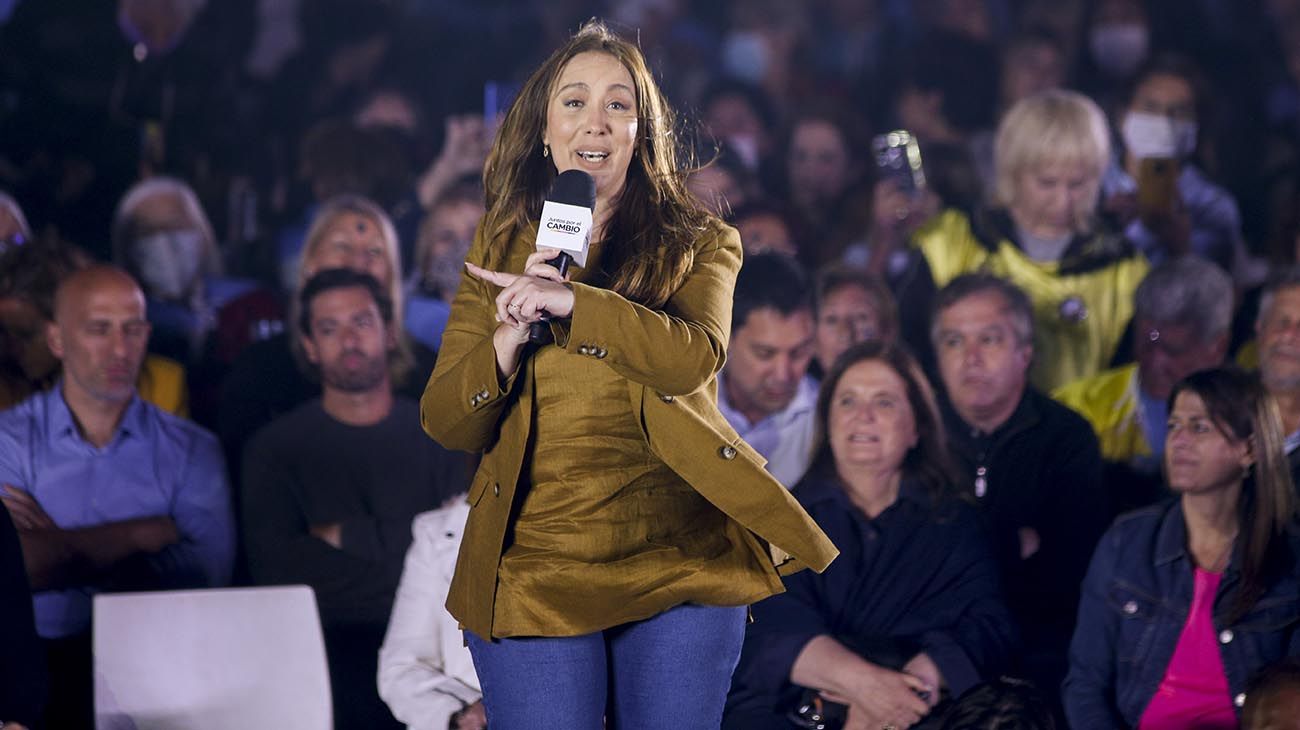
566	225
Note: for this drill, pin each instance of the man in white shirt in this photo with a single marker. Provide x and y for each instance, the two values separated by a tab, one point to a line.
764	391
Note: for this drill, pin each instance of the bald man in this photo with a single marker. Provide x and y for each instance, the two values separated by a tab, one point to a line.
107	491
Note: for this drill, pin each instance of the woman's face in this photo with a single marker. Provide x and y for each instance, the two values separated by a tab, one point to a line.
1199	457
354	242
819	161
591	121
1052	198
448	234
871	424
845	317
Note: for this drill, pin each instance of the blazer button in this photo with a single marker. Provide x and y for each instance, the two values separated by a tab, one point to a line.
727	452
600	354
1240	699
584	350
483	395
1131	608
666	398
473	401
1225	636
496	489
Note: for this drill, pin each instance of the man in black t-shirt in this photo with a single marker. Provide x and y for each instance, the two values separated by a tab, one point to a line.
330	489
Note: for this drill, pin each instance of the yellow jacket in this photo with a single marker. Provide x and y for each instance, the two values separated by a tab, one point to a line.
669	358
1082	303
162	383
1110	403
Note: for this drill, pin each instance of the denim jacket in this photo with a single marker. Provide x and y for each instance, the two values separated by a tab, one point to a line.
1135	602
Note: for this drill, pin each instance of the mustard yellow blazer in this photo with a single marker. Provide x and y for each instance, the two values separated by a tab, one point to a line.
670	359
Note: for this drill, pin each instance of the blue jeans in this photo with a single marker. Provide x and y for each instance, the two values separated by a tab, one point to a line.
667	672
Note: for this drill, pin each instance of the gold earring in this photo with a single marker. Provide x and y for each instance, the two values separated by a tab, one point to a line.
546	150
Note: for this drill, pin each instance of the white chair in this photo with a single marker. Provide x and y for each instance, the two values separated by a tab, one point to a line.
211	659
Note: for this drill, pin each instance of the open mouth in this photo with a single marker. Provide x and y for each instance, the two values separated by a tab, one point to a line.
863	438
593	156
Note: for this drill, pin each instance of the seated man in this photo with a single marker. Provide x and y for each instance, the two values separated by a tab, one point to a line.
1032	463
107	491
1277	331
330	488
29	276
764	391
1181	324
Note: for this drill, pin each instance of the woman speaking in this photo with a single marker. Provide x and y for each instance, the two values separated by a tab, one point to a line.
618	526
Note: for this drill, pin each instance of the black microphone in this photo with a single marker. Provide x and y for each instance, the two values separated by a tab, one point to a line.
566	225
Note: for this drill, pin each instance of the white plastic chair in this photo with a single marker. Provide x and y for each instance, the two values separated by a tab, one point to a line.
210	659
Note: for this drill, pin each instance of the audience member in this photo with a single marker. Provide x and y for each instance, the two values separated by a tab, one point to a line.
851	306
765	227
1002	704
764	390
23	682
910	613
1277	331
1031	62
722	184
272	377
107	491
163	238
740	116
1273	698
1051	150
444	240
29	276
426	674
1031	463
1116	42
1182	314
330	488
1167	204
823	159
1184	600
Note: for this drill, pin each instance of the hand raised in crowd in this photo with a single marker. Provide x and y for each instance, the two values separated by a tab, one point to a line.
895	214
27	513
464	150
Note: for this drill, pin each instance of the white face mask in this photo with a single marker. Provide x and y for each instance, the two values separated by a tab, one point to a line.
745	55
169	262
1119	48
1155	135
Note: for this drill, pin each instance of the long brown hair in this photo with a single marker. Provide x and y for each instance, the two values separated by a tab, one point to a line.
929	461
651	234
1242	409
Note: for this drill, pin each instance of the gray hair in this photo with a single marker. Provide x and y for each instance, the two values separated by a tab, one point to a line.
8	203
125	224
1187	291
1020	309
1287	278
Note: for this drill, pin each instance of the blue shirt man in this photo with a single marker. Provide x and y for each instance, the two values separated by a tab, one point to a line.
107	491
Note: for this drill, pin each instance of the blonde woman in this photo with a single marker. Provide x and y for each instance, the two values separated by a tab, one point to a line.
1042	234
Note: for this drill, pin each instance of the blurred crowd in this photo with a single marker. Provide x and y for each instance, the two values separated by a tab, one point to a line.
1092	200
